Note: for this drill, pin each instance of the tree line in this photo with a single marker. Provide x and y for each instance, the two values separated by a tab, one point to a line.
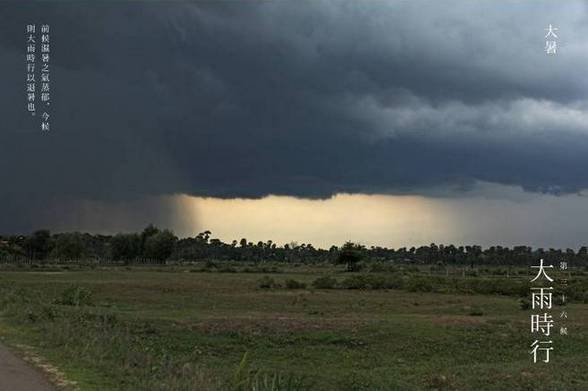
153	243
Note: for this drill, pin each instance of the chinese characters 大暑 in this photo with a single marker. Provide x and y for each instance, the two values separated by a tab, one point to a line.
551	39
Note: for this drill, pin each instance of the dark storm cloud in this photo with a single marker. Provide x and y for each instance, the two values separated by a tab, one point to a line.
299	98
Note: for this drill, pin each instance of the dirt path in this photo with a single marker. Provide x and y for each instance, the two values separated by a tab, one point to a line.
17	375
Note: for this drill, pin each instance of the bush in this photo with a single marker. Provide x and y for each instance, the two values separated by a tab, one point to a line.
355	282
75	295
506	287
370	281
293	284
266	283
575	291
416	284
325	283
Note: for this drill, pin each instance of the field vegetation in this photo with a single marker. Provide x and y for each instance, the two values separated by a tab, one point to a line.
235	325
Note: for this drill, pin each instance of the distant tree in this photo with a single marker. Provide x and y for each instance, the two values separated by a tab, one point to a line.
125	246
149	231
68	246
350	255
203	237
38	244
160	246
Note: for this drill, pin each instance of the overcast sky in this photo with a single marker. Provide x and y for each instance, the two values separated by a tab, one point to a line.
448	101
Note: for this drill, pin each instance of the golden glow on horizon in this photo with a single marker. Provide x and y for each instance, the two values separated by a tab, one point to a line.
369	219
489	215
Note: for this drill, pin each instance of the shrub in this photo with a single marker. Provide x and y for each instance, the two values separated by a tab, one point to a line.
420	285
377	282
371	281
507	287
355	282
266	283
293	284
575	291
325	282
75	295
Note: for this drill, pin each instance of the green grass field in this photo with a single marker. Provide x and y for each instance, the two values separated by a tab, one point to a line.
182	328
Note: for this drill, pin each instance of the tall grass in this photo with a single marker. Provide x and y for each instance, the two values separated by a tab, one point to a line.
246	379
120	349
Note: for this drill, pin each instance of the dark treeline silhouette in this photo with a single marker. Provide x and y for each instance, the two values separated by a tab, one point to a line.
162	245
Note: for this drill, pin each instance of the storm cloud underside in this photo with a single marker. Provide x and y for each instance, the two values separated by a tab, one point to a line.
305	99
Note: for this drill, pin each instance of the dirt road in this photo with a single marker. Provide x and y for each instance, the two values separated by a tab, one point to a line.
17	375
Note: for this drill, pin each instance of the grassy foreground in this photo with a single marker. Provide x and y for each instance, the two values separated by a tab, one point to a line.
181	328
